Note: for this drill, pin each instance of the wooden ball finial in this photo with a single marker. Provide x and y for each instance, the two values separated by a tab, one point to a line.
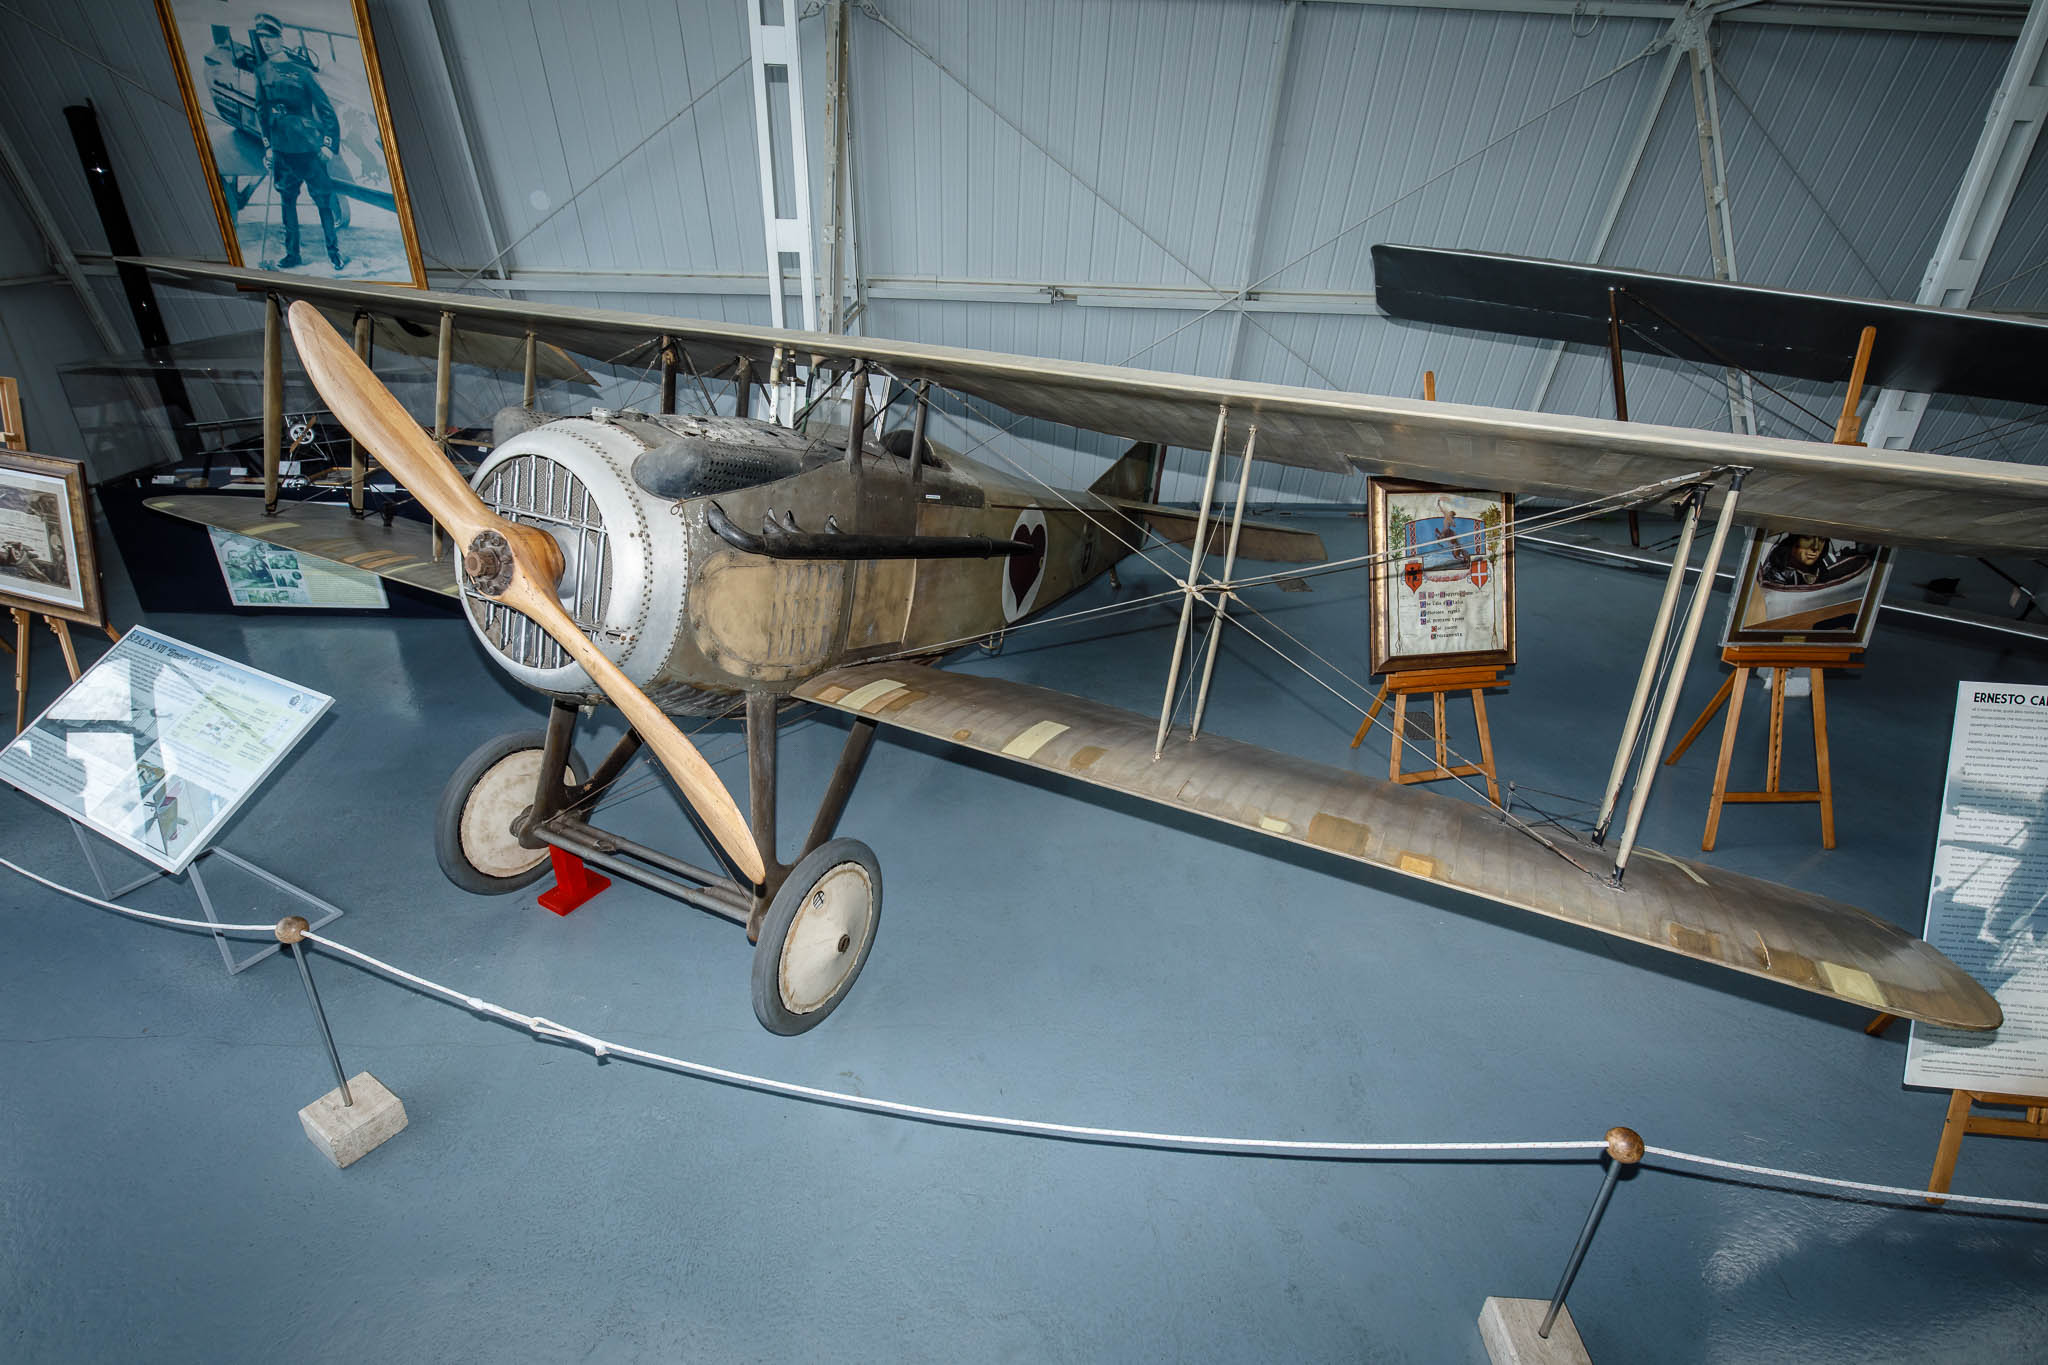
1625	1145
292	928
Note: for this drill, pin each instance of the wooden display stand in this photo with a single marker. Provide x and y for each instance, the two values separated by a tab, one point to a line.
1961	1121
1436	682
14	436
1781	661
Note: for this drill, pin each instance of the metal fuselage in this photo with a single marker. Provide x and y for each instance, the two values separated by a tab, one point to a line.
712	619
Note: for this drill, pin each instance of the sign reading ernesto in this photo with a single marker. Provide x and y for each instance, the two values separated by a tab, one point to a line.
1988	905
159	743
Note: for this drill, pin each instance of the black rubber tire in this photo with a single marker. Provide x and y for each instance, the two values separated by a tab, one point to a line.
838	857
455	798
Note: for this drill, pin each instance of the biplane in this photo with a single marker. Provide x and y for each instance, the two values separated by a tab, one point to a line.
710	563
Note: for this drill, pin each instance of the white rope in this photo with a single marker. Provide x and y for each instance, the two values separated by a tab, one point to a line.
546	1028
1130	1137
1898	1191
267	930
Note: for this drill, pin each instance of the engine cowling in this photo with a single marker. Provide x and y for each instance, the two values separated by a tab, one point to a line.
606	487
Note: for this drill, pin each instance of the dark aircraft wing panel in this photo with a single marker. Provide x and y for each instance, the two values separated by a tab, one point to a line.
1693	909
1718	322
1938	502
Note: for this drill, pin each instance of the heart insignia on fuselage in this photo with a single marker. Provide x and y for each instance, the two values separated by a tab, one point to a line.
1025	572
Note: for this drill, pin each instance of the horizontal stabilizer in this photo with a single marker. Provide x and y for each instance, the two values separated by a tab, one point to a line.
1260	540
1693	909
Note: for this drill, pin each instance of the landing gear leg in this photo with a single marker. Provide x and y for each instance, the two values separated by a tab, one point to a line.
813	923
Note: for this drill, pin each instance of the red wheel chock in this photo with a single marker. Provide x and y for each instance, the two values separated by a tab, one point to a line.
574	883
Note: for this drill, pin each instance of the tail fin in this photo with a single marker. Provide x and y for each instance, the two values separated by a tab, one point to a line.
1132	476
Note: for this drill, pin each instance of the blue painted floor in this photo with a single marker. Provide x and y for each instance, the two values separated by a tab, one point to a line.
1044	952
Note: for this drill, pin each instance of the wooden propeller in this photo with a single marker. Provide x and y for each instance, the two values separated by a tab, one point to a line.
524	560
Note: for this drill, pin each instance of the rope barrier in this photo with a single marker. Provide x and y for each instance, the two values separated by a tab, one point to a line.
602	1048
268	931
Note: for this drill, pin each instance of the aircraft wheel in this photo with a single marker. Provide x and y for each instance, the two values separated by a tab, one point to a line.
816	936
473	839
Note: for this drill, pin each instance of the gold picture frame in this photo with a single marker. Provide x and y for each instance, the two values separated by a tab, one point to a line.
1455	589
361	172
48	563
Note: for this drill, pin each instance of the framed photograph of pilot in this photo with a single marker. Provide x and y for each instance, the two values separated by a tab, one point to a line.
1443	576
287	109
1799	588
46	551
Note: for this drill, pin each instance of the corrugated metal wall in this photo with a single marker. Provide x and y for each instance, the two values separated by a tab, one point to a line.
1159	150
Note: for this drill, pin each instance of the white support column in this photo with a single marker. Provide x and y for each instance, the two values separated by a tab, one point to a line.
787	225
1706	108
2010	128
835	229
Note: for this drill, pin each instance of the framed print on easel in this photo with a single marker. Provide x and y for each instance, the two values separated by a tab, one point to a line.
1443	576
288	113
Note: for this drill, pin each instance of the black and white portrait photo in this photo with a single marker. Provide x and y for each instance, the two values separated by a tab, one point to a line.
288	111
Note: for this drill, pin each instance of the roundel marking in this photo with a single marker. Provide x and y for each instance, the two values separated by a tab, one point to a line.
1024	572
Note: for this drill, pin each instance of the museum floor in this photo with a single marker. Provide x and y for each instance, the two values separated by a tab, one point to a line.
1045	952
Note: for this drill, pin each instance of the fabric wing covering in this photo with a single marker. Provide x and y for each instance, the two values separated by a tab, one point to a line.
1936	502
1693	909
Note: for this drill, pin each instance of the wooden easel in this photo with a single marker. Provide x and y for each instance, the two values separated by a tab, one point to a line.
14	436
1961	1121
1436	682
1781	661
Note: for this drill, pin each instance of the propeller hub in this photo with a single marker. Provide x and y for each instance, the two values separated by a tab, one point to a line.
487	563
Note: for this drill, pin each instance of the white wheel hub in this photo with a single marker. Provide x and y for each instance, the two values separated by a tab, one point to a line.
826	938
505	789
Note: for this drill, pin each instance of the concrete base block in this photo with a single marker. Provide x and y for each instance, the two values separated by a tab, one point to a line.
1508	1327
348	1133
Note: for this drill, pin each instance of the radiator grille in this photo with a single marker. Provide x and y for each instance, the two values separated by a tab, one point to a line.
535	491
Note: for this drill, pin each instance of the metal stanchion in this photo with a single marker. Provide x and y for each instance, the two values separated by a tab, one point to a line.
1624	1148
290	931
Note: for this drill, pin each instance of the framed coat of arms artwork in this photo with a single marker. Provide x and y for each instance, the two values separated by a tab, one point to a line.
1443	576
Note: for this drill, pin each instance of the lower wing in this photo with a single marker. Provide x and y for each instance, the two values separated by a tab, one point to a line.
1692	909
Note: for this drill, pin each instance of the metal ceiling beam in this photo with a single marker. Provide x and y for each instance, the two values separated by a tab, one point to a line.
1623	183
1706	112
1991	20
2011	127
494	234
1255	230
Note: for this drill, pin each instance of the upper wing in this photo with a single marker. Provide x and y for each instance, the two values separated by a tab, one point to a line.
1692	909
1938	502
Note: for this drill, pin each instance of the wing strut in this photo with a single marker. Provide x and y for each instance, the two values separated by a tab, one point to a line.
1244	485
1646	770
1631	729
1187	604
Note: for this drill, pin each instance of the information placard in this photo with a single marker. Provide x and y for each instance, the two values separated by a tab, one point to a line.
259	574
1987	907
159	744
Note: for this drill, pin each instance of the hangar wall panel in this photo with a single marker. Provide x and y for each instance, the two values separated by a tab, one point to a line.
1132	146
